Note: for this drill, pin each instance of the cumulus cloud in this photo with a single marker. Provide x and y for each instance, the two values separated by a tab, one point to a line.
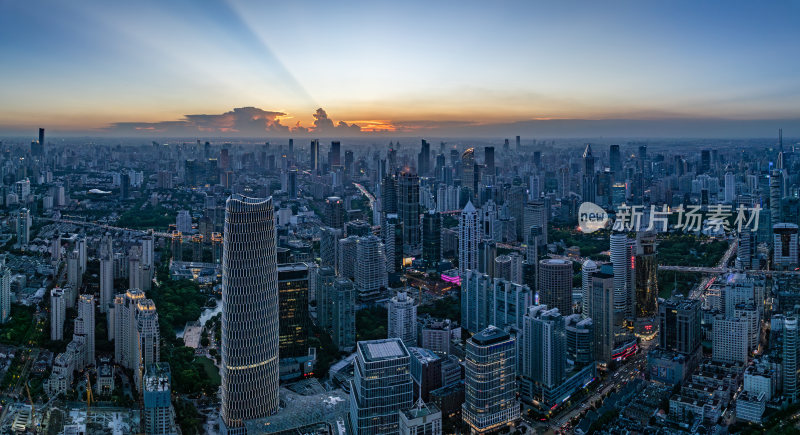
323	124
244	120
241	121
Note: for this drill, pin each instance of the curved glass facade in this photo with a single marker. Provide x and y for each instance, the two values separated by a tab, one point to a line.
249	313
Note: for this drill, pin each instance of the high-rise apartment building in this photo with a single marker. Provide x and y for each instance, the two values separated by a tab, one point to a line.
789	359
370	268
314	156
580	340
490	386
775	196
381	386
488	161
106	273
403	319
347	257
334	212
555	284
534	241
645	281
508	303
147	338
589	267
468	239
408	210
5	292
135	268
393	243
389	195
58	307
785	245
468	178
124	315
424	158
621	260
544	346
536	215
431	239
601	311
85	327
250	315
157	400
426	371
730	188
183	221
23	227
589	188
679	325
615	162
730	340
486	301
74	276
342	296
335	154
328	246
293	310
321	280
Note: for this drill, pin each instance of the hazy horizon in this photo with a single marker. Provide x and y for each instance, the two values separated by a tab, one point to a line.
239	123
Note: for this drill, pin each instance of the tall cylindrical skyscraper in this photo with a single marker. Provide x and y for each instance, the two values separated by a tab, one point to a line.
621	261
589	267
790	367
249	313
555	284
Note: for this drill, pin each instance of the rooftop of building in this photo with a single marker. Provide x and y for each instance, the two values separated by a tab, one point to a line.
490	335
292	267
421	410
664	354
157	377
423	355
695	402
578	322
377	350
299	410
555	261
746	396
680	303
105	370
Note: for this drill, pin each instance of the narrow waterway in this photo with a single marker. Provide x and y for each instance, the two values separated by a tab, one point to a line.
207	314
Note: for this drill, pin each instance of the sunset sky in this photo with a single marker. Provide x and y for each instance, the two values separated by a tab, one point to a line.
178	67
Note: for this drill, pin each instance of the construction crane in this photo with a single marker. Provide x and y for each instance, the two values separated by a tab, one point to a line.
33	407
89	397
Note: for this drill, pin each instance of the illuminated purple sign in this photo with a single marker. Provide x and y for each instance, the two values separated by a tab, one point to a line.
452	279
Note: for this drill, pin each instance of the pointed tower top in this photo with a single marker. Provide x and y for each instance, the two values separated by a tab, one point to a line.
588	151
469	208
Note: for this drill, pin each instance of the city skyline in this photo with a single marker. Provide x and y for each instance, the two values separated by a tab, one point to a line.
399	218
237	69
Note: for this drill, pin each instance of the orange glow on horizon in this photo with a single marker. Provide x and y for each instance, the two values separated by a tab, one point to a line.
375	125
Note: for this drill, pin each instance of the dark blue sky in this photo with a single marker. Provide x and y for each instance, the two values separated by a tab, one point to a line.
89	65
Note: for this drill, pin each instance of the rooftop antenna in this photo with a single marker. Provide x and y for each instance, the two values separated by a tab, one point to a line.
780	138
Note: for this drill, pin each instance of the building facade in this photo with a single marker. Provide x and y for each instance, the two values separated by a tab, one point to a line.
250	331
490	386
381	386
